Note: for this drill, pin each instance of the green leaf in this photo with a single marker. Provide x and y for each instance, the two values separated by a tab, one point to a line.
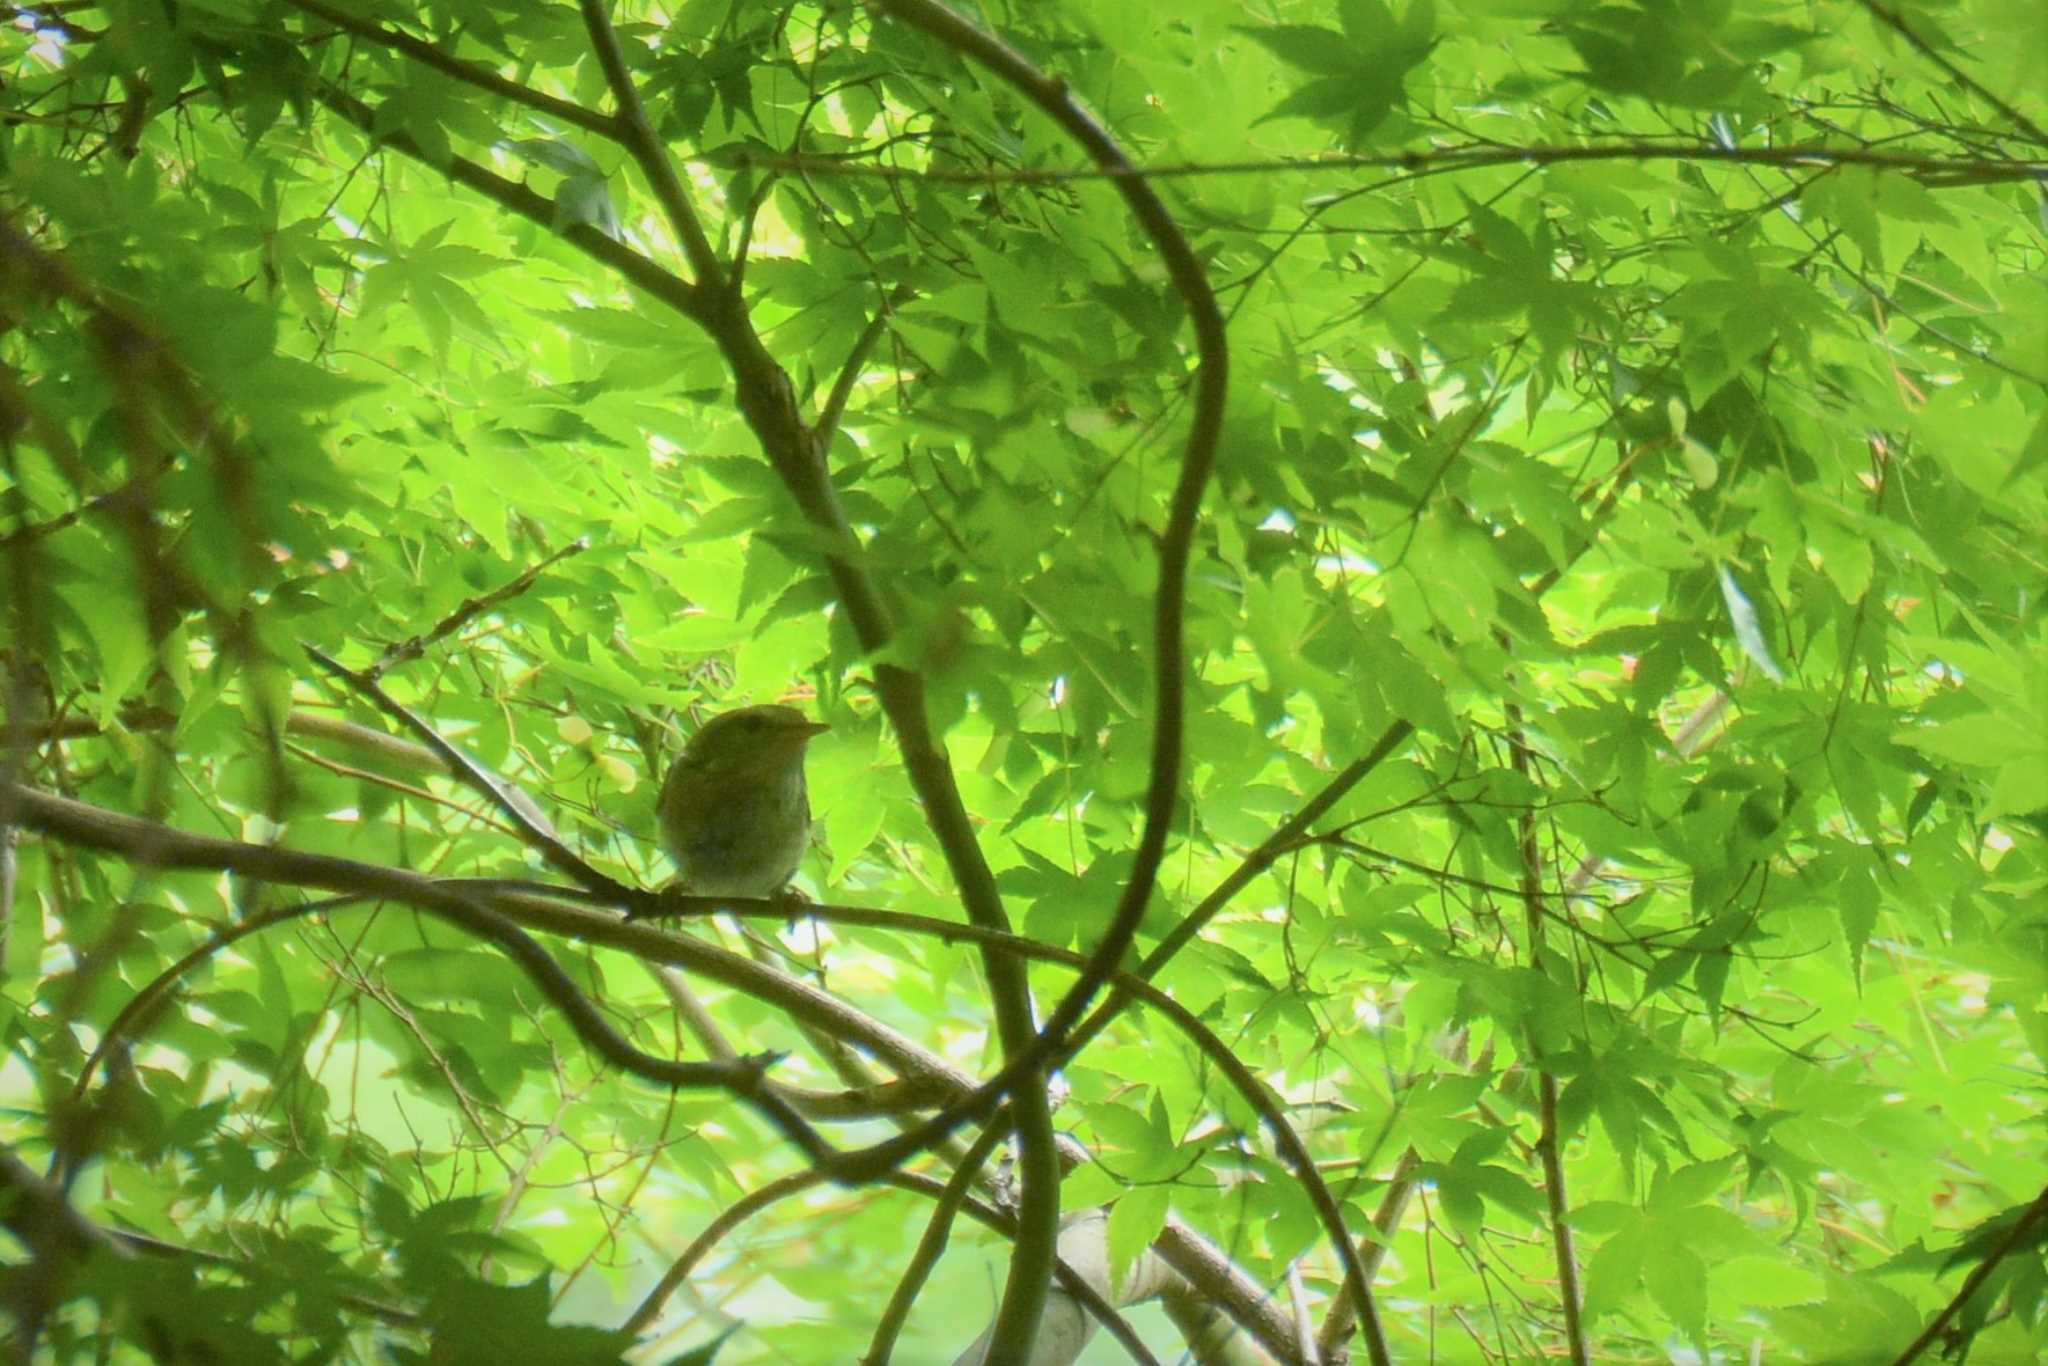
1610	656
1616	1270
1134	1222
1677	1281
1322	51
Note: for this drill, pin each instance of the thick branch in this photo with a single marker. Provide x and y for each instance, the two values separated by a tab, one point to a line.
1024	1298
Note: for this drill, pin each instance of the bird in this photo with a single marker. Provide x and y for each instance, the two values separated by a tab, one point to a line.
735	813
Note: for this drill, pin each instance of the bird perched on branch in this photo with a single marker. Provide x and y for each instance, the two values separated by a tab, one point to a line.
735	813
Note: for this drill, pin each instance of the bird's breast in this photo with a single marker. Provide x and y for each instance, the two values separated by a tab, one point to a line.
740	838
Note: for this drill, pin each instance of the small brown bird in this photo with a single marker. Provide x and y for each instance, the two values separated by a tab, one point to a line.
735	813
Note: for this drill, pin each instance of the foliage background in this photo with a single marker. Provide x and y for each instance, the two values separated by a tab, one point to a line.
1685	496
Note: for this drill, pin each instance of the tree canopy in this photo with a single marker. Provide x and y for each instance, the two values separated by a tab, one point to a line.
1431	616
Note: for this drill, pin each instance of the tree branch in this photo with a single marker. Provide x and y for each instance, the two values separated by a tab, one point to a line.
2014	1237
516	198
930	1245
1896	22
469	73
1930	170
633	130
150	844
1548	1144
158	846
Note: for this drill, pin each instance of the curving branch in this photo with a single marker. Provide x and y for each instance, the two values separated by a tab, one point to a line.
924	1076
1021	1077
1053	98
729	1218
157	846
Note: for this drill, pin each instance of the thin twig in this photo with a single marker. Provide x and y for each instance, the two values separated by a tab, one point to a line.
154	845
2021	1228
1942	170
856	360
1896	22
520	811
469	609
